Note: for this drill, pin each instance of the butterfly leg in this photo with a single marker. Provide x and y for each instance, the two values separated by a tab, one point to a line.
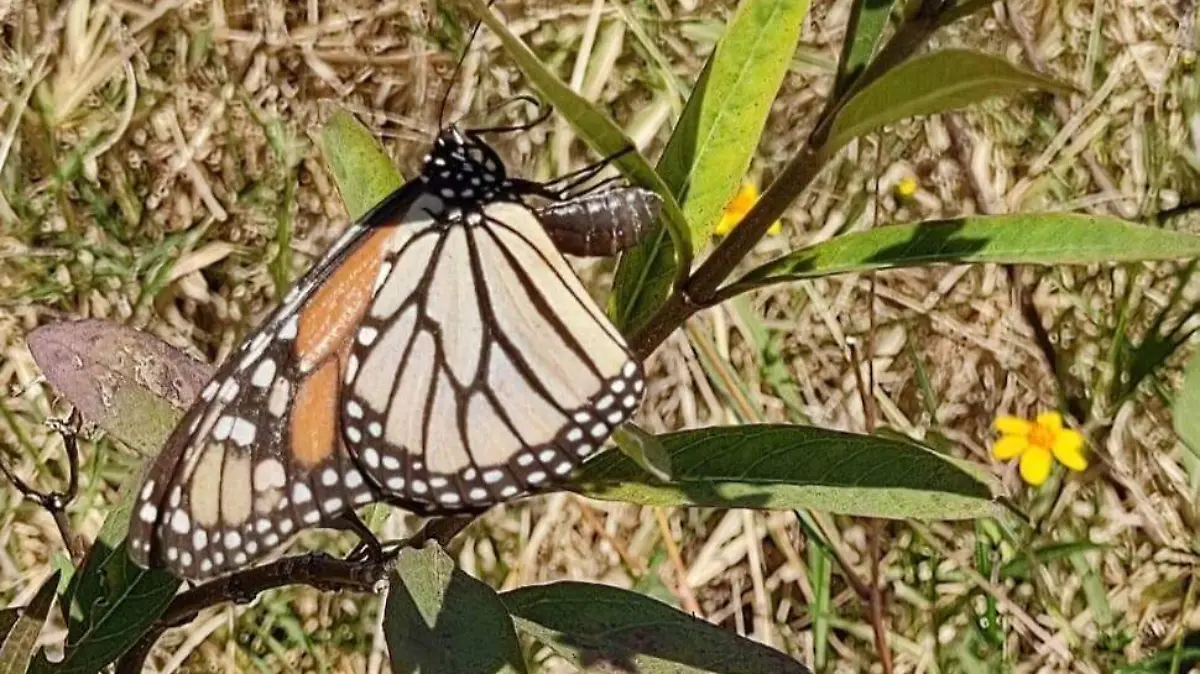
369	547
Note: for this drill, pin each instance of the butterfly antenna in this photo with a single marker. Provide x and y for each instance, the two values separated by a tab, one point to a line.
457	70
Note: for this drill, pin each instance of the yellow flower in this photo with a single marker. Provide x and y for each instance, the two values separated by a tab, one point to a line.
738	207
907	187
1038	443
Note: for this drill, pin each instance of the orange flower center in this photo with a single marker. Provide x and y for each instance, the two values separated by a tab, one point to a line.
1041	436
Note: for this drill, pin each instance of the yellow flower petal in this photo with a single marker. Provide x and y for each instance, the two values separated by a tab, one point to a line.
738	207
726	224
1012	426
1052	421
906	187
745	198
1068	449
1009	446
1035	465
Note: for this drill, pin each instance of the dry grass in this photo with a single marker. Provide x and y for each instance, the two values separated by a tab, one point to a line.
156	156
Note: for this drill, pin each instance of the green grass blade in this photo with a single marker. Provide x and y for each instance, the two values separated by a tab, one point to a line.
784	466
1021	566
604	628
820	576
1186	410
1028	238
947	79
706	159
439	619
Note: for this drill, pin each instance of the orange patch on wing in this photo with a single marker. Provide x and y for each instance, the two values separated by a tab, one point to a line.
332	314
314	416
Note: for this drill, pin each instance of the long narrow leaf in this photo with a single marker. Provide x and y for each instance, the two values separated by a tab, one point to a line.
16	648
947	79
868	18
603	628
785	466
709	152
1032	238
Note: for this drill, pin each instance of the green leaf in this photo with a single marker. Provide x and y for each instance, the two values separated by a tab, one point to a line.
868	19
130	383
1027	238
782	466
603	628
18	644
706	159
644	449
600	132
363	171
111	601
439	620
944	80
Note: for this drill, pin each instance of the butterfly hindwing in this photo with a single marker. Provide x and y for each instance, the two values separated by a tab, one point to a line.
509	374
258	456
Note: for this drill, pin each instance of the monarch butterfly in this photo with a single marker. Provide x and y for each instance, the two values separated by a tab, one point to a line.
441	357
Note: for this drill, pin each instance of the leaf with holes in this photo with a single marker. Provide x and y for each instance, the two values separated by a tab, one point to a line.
1024	238
784	466
130	383
947	79
439	620
21	637
602	628
706	159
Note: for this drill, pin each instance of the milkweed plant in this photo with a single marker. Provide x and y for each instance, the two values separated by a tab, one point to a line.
438	618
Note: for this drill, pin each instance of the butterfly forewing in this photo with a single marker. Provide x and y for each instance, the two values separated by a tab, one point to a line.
258	456
509	372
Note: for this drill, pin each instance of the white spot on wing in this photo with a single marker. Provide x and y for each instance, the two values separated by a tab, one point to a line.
148	513
243	432
269	474
264	373
288	330
278	400
301	493
223	428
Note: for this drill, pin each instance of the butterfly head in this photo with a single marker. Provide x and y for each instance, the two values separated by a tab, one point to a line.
463	169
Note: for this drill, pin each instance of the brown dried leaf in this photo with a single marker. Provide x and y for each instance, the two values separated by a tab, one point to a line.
130	383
